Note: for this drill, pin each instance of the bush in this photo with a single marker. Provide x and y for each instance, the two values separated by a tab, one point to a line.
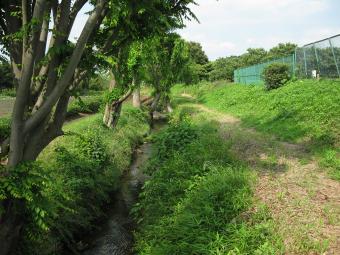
174	139
5	125
276	75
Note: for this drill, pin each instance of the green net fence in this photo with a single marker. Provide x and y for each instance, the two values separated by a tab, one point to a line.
253	74
318	59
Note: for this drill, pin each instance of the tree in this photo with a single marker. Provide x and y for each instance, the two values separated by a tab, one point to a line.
165	60
223	68
282	50
46	72
197	53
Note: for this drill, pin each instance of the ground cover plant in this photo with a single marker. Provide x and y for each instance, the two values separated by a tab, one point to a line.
198	199
304	111
66	188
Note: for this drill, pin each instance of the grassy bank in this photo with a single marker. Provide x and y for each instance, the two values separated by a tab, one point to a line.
305	112
73	179
199	200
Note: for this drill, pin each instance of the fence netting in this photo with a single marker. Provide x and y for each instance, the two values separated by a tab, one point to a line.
319	59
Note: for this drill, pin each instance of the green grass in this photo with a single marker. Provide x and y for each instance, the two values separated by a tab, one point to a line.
86	104
80	171
199	200
305	111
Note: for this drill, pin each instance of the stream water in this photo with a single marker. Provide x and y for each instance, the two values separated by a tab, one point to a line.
115	236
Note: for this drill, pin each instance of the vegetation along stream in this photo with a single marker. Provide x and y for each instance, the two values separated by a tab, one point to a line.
115	235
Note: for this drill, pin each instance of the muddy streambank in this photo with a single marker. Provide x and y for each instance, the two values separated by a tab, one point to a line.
115	236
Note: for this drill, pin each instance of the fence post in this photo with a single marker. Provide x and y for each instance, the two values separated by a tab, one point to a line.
336	63
294	63
305	61
317	59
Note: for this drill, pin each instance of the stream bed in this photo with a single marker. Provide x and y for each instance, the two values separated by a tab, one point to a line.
115	236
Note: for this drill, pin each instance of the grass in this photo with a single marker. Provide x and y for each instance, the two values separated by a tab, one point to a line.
305	112
81	171
199	200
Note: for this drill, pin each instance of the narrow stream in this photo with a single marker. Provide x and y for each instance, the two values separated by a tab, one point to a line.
115	237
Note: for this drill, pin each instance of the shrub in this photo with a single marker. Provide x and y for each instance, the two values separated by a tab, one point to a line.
276	75
174	139
5	124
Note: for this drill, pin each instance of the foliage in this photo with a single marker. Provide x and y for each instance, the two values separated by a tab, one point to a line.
174	139
330	159
194	202
223	68
197	53
5	125
276	75
165	59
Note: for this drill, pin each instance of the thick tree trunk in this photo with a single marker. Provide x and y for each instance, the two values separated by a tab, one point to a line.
10	226
136	98
153	107
32	131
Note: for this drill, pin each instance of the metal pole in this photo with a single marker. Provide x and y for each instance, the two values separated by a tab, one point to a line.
317	59
305	60
294	64
336	63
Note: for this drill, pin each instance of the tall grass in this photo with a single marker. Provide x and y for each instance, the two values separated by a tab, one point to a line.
199	200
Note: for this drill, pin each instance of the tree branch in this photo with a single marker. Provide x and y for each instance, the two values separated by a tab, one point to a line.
63	83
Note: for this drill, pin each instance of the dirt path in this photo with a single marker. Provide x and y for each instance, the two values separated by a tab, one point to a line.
304	202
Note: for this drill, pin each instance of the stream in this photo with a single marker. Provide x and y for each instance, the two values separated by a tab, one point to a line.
115	236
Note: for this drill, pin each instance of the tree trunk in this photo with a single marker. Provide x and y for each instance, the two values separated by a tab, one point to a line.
10	226
136	98
168	105
153	107
112	114
112	110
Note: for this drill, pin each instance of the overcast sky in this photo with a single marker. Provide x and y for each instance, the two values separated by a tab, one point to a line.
229	27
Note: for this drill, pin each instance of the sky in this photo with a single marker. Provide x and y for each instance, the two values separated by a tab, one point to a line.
230	27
